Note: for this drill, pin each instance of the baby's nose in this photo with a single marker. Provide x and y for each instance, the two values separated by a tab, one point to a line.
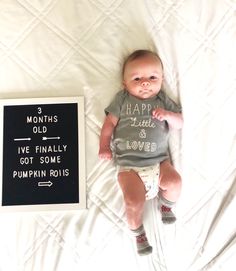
145	83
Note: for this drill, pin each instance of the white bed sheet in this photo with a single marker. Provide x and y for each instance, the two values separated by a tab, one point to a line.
69	48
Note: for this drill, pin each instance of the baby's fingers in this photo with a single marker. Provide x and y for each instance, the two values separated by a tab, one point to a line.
157	114
154	113
105	156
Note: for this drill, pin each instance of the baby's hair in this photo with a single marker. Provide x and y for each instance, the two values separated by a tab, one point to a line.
139	54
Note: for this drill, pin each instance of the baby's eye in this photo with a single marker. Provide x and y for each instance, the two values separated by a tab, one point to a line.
153	77
136	79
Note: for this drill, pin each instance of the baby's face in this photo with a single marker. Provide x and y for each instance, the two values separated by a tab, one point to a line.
143	77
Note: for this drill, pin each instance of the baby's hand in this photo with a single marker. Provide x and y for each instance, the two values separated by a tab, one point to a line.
105	153
160	114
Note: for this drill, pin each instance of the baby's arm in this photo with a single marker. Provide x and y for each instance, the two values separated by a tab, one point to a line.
105	137
175	120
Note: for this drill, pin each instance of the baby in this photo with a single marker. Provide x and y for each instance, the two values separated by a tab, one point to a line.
138	121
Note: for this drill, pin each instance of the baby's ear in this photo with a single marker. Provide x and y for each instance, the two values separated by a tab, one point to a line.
163	78
124	84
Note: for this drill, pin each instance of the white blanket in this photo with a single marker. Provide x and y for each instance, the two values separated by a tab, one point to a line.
69	48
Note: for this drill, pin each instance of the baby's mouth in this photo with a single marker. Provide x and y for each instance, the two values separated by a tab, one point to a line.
145	90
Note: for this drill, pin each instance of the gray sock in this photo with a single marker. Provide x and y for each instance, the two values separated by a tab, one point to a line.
143	247
168	217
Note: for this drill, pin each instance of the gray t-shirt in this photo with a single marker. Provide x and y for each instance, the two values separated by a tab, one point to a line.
140	140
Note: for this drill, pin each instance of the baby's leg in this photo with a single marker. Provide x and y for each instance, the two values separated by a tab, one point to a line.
134	196
170	182
170	188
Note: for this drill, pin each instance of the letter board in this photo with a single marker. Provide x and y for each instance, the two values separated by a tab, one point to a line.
42	154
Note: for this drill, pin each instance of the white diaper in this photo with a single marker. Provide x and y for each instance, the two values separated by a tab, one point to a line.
149	176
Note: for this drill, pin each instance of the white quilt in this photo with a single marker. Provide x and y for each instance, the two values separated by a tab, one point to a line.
77	47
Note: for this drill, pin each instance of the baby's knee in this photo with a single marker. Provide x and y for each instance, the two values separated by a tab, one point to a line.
176	181
134	203
172	182
177	178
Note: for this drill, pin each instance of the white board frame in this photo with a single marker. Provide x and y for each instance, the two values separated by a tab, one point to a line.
81	154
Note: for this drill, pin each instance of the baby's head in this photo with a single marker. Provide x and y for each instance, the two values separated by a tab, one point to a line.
143	74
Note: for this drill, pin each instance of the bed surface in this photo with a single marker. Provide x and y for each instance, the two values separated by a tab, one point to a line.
53	48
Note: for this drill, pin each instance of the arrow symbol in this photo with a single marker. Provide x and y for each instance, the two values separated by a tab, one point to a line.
48	183
22	139
48	138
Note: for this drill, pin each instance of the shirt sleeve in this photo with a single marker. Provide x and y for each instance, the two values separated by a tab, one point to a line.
115	106
169	104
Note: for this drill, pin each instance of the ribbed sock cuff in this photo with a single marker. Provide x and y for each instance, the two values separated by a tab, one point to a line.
166	202
138	231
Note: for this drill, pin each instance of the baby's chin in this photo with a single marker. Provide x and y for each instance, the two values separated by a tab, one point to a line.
147	95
